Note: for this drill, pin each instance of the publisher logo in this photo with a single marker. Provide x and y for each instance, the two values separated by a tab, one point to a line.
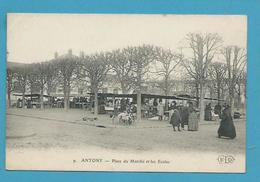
226	159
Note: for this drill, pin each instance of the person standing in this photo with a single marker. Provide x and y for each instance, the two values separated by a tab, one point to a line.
193	119
160	109
175	119
155	104
208	114
19	103
217	109
123	105
184	116
227	127
172	106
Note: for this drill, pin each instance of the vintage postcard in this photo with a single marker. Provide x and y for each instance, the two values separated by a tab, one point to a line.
126	92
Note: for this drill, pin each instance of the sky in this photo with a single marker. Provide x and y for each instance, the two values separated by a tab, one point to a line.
36	37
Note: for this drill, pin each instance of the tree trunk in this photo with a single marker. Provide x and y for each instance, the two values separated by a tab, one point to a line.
41	98
222	95
197	95
218	94
231	98
50	99
96	103
65	102
9	95
166	92
166	105
202	102
48	91
211	92
9	98
239	98
9	87
166	101
231	104
123	88
139	103
23	100
139	95
65	97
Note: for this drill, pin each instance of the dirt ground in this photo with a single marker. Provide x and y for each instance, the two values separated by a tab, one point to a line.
59	129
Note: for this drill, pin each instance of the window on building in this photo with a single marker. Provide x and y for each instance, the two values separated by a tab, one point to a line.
60	90
115	91
104	90
80	91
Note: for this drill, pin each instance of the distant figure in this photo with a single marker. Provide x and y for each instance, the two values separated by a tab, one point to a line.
160	109
217	109
127	101
155	104
184	116
116	107
227	127
19	103
29	103
172	106
208	114
123	105
175	119
193	118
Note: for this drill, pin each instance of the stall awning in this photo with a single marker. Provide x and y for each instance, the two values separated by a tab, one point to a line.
30	95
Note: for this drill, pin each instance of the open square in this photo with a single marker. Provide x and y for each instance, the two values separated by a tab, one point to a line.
144	93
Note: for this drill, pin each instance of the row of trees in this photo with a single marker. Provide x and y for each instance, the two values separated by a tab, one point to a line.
133	65
36	76
201	69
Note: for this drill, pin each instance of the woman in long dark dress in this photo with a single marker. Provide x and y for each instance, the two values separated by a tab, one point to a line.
227	127
184	116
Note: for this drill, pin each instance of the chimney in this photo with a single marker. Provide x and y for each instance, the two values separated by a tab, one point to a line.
70	52
56	55
81	54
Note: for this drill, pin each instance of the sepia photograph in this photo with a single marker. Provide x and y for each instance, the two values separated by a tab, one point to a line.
126	92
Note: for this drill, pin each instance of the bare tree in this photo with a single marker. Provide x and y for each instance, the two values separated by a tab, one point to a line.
94	69
204	48
217	74
244	82
52	73
141	56
66	66
42	72
22	73
33	78
241	89
235	58
122	66
41	75
168	63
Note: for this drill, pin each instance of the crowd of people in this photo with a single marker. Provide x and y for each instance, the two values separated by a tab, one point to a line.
209	112
52	102
183	115
179	114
